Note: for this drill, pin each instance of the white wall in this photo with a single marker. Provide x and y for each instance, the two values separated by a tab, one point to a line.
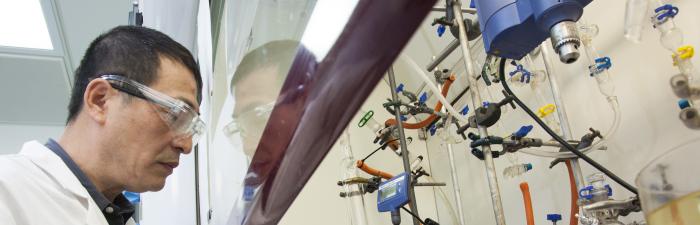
649	127
12	136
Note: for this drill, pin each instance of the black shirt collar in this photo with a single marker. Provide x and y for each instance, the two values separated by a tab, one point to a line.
116	212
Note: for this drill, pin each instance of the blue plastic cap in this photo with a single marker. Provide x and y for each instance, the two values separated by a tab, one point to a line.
554	217
528	166
523	131
683	103
423	97
441	30
403	118
472	5
603	63
399	88
133	197
486	104
465	110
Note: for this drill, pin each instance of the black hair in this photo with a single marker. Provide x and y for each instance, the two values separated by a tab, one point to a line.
130	51
279	54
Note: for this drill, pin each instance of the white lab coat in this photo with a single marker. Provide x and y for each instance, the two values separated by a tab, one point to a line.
37	188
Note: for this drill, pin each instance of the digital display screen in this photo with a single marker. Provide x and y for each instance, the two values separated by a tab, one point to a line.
388	192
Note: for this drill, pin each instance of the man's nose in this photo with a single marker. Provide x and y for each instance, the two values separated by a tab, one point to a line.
183	143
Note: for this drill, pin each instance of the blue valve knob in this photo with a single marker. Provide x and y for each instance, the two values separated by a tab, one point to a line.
525	78
523	131
666	11
465	110
586	192
528	166
554	217
441	30
432	130
423	97
399	88
601	64
683	103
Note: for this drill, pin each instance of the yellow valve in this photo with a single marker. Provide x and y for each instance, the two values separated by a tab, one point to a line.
546	110
682	53
686	52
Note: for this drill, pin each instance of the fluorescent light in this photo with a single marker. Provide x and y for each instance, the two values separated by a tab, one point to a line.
23	25
325	25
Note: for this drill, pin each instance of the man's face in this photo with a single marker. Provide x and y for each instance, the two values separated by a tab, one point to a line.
146	149
252	110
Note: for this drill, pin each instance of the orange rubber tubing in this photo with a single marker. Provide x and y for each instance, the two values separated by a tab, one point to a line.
432	117
371	171
574	194
525	188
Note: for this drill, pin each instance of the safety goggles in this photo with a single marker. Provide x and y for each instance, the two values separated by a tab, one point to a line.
179	116
250	123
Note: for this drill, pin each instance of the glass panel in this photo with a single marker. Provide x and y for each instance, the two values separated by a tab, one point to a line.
254	57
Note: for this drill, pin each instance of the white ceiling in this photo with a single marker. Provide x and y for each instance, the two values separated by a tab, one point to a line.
36	84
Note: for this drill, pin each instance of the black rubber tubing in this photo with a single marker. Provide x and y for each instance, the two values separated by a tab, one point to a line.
601	168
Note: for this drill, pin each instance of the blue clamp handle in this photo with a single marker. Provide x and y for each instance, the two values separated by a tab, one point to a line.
668	11
523	131
432	130
423	97
399	88
441	30
683	103
521	69
465	110
554	217
601	64
472	5
588	189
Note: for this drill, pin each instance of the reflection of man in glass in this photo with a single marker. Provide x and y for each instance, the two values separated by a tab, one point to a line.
255	87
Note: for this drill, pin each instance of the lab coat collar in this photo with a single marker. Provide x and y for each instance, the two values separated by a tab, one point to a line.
51	164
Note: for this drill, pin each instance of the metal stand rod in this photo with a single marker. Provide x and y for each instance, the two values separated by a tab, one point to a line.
561	110
443	55
476	100
455	184
404	148
440	9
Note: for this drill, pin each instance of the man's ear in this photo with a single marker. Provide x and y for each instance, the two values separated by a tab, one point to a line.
97	92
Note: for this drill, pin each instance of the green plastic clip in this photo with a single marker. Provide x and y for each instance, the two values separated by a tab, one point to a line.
365	118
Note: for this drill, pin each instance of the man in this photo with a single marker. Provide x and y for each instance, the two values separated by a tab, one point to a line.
255	86
133	111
